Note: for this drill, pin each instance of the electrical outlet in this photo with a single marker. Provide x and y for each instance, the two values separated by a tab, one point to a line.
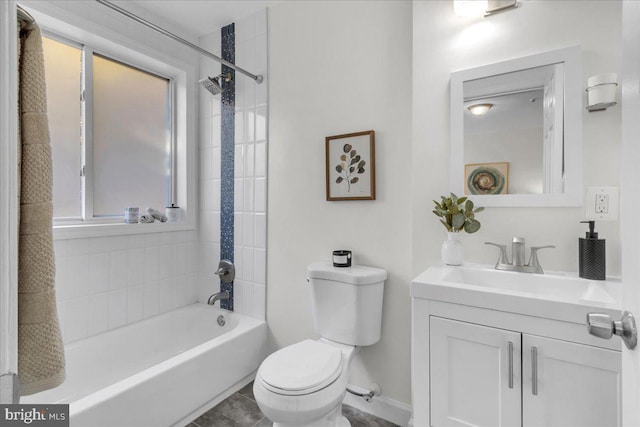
601	203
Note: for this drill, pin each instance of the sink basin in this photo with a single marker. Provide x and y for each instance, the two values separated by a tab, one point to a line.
557	295
552	285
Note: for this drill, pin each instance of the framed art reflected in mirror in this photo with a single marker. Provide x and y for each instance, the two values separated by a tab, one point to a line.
486	178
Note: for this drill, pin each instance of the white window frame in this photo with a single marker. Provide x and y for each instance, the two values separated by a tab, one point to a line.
68	28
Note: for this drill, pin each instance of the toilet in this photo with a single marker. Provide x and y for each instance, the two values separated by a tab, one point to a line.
303	385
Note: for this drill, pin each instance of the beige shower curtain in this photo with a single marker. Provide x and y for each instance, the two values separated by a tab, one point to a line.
40	347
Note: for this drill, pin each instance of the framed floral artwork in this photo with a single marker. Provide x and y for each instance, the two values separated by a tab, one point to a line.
350	162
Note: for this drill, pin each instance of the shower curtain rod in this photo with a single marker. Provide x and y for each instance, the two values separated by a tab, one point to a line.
23	15
257	78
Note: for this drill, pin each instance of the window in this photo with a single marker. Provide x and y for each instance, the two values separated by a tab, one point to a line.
111	133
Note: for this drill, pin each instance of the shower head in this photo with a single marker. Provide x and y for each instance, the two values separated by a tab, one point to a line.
215	84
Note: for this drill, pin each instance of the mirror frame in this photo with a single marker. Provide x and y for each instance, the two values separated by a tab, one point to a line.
573	192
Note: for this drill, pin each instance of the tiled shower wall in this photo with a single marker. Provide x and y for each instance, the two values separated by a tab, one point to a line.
106	282
250	163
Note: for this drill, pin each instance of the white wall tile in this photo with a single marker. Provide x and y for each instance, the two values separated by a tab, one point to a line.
60	248
261	195
118	267
261	123
181	259
248	228
238	197
260	266
117	308
151	264
261	22
167	255
135	267
206	163
261	159
181	297
238	227
217	164
238	261
216	133
99	245
249	160
136	241
99	269
98	319
151	299
192	288
260	237
74	319
216	195
166	293
247	203
206	195
118	243
238	159
239	127
192	258
247	267
135	303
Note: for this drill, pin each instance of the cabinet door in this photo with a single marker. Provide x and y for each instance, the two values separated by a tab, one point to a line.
475	375
567	384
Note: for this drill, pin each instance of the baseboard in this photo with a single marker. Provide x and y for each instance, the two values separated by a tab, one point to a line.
380	406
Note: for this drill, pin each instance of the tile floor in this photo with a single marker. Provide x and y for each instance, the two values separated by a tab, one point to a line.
241	410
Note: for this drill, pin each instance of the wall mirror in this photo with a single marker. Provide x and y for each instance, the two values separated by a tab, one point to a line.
516	131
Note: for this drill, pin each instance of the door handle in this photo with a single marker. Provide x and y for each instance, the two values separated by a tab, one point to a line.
601	326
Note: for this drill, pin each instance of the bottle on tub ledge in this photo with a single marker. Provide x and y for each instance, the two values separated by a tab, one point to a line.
172	213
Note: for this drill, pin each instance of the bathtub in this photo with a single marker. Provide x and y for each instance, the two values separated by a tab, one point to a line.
162	371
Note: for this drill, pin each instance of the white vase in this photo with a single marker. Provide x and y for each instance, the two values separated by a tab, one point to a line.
452	253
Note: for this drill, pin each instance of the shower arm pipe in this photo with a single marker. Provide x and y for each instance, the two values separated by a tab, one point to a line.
257	78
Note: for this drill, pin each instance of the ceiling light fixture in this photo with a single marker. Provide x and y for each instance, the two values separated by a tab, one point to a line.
479	109
471	8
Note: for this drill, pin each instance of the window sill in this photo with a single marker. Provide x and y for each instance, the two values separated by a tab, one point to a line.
75	231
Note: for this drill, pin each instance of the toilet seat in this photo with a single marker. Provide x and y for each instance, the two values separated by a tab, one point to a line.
302	368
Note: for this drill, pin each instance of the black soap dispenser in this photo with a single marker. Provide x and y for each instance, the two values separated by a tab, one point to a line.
591	254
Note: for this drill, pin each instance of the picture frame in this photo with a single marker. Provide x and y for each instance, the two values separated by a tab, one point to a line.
486	178
350	166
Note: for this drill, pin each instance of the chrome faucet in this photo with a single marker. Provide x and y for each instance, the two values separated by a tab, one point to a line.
518	254
218	296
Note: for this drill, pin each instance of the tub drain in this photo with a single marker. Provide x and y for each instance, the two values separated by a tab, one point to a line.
221	320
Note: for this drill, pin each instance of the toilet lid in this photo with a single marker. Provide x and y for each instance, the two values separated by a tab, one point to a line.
301	368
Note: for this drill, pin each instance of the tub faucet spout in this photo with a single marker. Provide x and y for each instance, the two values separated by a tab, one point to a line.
218	296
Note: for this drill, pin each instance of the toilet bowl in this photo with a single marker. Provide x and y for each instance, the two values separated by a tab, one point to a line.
304	384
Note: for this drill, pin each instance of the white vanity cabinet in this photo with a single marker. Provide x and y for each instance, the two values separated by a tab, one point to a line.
485	376
504	356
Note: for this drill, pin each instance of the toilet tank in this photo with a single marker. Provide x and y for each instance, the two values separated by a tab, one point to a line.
347	302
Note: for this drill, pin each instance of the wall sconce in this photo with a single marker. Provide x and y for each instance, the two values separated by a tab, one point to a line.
481	7
601	91
479	109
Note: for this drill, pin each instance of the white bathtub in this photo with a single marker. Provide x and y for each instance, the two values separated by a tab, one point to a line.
162	371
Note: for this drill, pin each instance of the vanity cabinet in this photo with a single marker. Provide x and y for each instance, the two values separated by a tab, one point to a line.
488	376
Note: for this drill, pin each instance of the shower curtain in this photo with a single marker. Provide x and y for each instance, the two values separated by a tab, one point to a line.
40	347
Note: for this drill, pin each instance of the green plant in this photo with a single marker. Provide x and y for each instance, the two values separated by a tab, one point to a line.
457	214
